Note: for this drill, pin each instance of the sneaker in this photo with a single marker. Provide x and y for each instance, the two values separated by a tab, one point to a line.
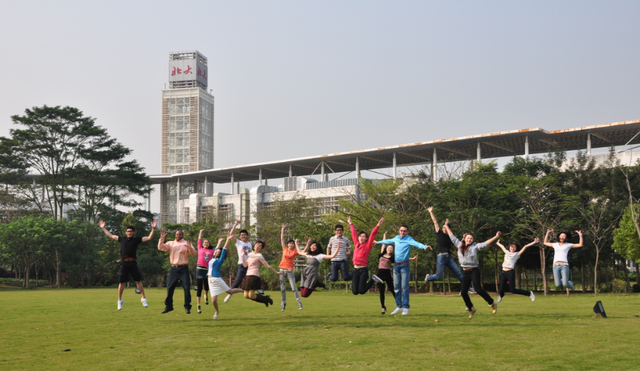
215	316
396	311
426	278
533	297
187	311
500	298
466	308
206	300
494	307
166	310
270	300
472	311
405	311
377	279
199	309
226	299
120	304
472	291
299	306
283	306
144	302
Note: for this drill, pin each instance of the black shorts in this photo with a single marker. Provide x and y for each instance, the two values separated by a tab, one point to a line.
127	268
252	283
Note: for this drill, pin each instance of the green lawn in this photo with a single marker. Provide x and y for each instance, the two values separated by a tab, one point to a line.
335	330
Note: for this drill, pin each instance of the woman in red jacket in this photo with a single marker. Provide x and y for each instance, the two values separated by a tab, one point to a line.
362	247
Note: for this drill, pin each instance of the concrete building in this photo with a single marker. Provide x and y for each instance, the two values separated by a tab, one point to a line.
297	174
187	129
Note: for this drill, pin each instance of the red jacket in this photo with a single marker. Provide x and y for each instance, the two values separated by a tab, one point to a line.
361	250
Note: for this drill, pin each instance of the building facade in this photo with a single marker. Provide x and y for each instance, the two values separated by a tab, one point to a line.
187	129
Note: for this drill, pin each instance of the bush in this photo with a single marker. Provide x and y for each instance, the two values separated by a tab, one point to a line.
619	286
635	287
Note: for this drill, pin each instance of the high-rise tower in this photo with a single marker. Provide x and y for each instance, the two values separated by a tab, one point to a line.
187	129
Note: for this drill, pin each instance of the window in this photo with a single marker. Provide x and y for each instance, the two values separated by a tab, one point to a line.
178	123
179	155
178	139
179	105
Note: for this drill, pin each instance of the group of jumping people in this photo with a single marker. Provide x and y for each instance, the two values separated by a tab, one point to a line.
394	251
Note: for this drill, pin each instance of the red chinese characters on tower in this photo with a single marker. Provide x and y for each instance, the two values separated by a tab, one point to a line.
188	70
176	70
202	73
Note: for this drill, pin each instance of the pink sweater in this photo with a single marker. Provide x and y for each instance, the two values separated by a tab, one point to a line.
361	250
253	264
204	255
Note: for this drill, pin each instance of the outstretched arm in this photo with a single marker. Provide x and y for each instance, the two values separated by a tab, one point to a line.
546	238
111	236
535	241
284	246
579	243
447	229
300	252
153	229
492	239
200	239
384	236
237	223
354	233
161	245
220	242
502	247
433	219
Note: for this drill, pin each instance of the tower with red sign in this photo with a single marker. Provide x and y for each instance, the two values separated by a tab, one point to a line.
187	128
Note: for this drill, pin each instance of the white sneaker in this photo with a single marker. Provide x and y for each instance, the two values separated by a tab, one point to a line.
299	306
466	308
533	297
120	304
396	311
494	307
144	302
500	298
227	298
405	311
377	279
472	291
215	316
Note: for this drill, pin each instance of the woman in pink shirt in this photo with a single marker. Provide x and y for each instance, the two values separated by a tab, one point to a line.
362	248
252	282
205	253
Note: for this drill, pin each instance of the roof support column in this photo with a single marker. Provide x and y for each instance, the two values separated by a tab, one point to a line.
206	185
357	168
526	148
589	144
178	201
290	171
260	177
395	174
434	164
232	183
322	172
478	153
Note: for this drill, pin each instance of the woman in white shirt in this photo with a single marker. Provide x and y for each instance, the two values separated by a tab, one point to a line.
560	260
309	280
508	273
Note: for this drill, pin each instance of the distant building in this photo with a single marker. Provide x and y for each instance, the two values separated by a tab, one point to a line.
187	128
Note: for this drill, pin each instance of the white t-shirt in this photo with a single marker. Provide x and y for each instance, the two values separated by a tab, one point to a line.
244	248
319	257
510	259
560	252
333	244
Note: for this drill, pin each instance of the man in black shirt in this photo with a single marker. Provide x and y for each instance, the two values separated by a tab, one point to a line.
128	263
444	252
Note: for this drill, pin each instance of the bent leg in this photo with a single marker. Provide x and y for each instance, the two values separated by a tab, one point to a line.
451	264
242	271
440	271
333	276
475	276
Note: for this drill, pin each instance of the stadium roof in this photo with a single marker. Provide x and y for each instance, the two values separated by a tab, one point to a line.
501	144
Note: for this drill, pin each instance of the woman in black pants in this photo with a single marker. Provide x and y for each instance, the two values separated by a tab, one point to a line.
468	257
508	273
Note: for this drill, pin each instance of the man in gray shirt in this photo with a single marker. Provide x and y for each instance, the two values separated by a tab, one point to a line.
340	261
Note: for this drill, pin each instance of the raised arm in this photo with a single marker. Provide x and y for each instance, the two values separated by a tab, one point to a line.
502	247
161	245
153	230
546	238
535	241
433	219
354	233
579	243
447	229
284	245
192	251
384	236
335	252
111	236
454	240
220	242
300	252
200	239
492	239
237	223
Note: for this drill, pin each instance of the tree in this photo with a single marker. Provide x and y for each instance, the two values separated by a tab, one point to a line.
625	238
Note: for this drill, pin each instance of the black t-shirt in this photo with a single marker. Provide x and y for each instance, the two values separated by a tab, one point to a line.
443	242
128	246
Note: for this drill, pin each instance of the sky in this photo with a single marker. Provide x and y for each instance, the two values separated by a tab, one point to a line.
294	79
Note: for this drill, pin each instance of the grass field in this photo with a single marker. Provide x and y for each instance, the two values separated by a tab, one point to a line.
81	329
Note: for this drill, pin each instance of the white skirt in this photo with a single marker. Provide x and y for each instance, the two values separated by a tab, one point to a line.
217	286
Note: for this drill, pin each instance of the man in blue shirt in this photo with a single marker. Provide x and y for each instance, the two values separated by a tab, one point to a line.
401	268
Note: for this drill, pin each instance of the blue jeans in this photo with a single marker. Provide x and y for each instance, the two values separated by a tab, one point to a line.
178	273
448	262
401	273
561	276
242	271
343	268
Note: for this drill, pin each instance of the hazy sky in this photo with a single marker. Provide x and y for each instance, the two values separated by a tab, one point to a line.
294	78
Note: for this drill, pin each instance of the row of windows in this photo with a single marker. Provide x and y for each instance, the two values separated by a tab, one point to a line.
206	109
178	169
179	105
179	155
178	123
178	139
